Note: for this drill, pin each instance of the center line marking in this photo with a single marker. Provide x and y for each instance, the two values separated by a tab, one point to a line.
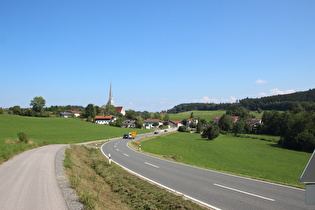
247	193
151	165
126	155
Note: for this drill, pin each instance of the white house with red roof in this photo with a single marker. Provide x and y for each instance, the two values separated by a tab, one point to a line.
104	120
175	123
148	123
234	119
70	113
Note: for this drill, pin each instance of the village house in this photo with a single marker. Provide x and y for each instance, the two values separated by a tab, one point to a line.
216	119
129	123
148	123
190	121
175	123
104	120
70	113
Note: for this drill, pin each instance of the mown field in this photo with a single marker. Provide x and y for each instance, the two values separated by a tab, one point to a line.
243	156
207	115
50	131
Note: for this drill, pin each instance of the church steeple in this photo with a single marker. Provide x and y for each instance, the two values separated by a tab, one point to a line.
111	99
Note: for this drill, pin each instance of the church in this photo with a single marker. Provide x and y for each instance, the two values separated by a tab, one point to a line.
119	109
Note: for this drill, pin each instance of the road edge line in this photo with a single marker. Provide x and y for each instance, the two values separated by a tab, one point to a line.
163	186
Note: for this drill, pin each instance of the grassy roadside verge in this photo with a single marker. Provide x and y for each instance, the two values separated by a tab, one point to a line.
103	186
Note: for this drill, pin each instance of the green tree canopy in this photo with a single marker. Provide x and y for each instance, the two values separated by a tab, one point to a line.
90	111
110	109
38	103
130	114
211	132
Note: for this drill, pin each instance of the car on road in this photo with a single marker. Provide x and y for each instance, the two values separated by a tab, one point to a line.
126	136
156	132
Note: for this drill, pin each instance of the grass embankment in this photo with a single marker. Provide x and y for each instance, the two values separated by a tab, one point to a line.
103	186
243	156
43	131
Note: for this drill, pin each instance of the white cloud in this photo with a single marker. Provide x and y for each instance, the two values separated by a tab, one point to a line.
276	91
233	98
206	99
263	94
259	81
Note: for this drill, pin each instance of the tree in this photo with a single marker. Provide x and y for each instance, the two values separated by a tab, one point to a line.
16	110
211	132
199	126
110	109
166	118
225	123
139	122
146	115
90	111
239	127
192	115
130	114
38	104
157	115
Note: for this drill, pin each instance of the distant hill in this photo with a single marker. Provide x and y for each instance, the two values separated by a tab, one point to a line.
305	99
281	102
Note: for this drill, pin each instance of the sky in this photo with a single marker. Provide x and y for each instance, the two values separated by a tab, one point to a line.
156	53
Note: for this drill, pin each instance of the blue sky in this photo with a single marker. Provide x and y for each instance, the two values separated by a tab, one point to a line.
156	53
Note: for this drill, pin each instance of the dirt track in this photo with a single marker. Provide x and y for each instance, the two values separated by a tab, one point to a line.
28	186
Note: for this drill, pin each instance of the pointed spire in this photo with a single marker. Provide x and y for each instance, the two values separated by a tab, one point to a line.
111	99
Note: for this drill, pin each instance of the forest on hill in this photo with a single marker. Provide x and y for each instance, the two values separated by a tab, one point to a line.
303	99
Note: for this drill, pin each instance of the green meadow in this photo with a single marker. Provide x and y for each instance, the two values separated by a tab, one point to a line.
207	115
43	131
242	156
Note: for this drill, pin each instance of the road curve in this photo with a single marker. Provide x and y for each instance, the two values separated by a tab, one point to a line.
28	181
217	190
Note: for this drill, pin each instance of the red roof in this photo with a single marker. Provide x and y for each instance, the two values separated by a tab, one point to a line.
216	118
119	109
109	117
176	121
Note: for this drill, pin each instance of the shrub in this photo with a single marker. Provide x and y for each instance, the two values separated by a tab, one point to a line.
22	137
182	128
211	132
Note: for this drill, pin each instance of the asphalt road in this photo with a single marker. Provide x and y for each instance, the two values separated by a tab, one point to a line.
28	181
216	190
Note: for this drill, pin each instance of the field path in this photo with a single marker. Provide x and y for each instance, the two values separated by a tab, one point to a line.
28	186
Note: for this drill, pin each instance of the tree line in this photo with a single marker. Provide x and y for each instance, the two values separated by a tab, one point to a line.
295	128
298	100
38	109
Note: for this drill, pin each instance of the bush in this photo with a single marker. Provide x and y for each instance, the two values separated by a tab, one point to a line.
211	132
22	137
182	128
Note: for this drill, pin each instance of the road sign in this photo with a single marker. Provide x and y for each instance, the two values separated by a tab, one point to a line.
308	178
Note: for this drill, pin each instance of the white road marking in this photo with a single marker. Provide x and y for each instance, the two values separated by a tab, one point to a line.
126	155
117	150
151	165
247	193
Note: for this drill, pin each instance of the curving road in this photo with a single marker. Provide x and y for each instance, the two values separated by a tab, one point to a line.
214	189
28	181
